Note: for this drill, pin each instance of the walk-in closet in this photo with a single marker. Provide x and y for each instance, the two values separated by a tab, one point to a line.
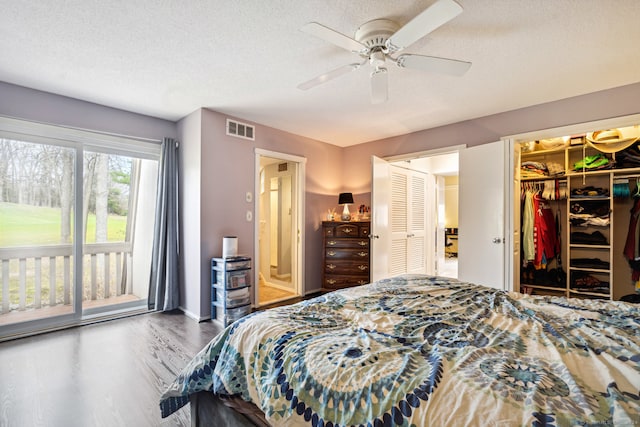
578	211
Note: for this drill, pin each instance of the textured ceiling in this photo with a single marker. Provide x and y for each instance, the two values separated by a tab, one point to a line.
167	58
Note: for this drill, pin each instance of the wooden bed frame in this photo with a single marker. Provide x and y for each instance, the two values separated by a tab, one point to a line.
208	409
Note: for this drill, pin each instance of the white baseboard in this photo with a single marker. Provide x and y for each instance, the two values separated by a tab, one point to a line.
194	316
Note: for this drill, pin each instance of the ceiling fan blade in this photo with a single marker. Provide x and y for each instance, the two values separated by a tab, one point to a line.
323	78
433	64
379	86
332	36
425	22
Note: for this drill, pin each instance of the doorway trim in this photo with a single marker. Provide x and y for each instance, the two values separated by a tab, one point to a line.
414	156
298	267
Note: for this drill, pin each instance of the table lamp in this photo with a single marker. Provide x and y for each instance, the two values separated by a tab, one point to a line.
345	199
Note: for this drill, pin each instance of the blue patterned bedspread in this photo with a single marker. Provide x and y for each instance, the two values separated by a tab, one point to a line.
427	351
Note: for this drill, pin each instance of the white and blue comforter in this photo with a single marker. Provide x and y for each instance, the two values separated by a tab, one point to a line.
427	351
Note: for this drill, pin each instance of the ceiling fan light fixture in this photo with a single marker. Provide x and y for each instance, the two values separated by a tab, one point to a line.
374	34
377	59
377	42
379	86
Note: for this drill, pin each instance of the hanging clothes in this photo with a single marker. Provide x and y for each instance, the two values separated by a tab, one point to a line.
547	244
528	246
632	244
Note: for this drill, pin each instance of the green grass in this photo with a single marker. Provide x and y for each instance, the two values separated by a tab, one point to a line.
25	225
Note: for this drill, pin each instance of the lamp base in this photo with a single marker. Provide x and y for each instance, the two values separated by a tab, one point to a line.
346	215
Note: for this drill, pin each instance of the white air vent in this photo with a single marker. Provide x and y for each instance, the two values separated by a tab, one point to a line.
241	130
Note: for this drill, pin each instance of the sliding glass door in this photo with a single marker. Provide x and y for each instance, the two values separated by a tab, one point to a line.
36	231
76	225
117	192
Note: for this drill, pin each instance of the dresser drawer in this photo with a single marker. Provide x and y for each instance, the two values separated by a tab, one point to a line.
347	254
348	230
346	267
347	243
339	282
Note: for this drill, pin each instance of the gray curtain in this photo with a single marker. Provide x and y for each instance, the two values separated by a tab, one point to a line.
163	288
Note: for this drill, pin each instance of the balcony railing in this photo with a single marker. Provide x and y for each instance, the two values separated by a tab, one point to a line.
42	276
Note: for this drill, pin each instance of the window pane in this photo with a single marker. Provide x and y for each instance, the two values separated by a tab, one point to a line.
36	229
117	191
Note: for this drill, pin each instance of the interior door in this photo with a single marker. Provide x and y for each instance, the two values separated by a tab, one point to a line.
380	214
401	242
420	243
481	221
399	221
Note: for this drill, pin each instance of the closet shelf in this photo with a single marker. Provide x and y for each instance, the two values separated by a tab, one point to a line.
581	199
588	246
592	270
544	178
546	288
605	295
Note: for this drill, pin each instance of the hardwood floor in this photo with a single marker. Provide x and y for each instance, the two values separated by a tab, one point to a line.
105	374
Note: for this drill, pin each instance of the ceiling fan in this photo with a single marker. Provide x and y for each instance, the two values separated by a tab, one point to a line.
379	40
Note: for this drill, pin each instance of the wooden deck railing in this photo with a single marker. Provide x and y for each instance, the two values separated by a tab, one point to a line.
38	276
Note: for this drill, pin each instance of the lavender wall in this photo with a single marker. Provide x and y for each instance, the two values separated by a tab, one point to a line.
30	104
227	173
610	103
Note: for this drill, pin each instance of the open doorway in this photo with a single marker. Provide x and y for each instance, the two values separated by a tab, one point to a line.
442	206
449	219
278	237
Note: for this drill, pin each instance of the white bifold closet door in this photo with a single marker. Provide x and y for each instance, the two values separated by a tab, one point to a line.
411	245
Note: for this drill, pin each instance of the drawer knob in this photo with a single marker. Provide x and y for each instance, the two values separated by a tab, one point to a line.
363	267
331	253
363	243
331	281
331	266
361	282
331	242
348	230
362	254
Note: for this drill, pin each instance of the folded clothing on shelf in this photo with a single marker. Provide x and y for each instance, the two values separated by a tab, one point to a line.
595	263
590	212
584	282
595	238
530	169
629	157
589	221
589	191
594	208
595	162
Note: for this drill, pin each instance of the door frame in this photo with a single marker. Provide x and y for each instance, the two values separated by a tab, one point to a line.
512	207
298	267
378	238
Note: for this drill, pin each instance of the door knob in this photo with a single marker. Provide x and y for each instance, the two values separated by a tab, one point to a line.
374	236
497	240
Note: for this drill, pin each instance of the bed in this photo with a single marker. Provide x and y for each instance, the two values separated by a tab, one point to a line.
424	351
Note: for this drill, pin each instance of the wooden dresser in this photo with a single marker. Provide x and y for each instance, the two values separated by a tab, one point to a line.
345	254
